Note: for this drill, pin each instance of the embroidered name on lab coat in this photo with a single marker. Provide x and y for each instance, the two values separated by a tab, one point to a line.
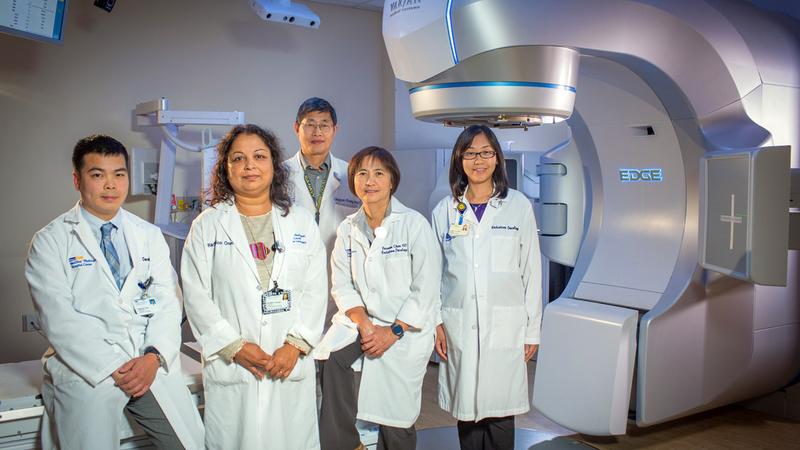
299	238
80	261
216	243
347	202
145	259
395	248
505	227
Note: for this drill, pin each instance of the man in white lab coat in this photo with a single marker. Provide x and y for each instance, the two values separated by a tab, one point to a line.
318	179
109	304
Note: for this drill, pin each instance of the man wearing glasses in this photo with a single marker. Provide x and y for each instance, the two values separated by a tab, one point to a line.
319	180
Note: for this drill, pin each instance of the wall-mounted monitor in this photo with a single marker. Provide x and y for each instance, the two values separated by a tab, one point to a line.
42	20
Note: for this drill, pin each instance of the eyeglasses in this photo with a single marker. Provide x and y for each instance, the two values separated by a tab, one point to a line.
322	127
488	154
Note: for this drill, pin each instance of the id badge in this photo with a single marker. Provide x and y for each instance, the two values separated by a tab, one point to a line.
145	306
459	230
276	301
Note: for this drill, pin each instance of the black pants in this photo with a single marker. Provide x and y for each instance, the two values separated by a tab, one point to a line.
337	429
148	414
492	433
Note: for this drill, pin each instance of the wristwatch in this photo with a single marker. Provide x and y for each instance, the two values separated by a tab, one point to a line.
397	330
161	361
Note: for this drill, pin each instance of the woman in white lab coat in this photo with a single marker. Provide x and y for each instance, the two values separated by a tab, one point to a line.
255	288
386	278
491	294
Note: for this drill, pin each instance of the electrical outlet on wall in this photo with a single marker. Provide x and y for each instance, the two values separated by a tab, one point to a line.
30	322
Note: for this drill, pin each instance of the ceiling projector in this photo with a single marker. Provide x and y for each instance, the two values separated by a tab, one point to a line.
284	11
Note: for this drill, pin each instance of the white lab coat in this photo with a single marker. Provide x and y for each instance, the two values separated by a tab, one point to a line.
223	303
337	203
491	306
396	277
92	329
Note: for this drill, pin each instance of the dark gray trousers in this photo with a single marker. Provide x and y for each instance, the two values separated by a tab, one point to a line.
337	430
492	433
146	412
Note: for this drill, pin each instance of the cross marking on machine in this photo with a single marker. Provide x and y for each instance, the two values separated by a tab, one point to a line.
732	219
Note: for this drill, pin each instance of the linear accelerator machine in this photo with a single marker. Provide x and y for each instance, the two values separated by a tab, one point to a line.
670	197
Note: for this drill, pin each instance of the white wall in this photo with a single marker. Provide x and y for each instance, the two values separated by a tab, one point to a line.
201	54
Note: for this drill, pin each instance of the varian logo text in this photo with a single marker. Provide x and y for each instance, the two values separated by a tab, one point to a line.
399	6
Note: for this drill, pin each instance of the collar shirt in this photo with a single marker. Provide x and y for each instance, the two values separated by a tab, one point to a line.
363	225
317	176
117	238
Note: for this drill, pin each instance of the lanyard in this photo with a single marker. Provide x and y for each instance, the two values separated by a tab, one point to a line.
318	200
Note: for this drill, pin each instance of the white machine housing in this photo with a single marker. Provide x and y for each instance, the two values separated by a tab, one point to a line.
657	86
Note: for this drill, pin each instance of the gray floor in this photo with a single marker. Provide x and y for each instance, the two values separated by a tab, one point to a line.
446	438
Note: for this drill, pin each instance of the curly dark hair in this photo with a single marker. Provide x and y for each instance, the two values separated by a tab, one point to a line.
221	190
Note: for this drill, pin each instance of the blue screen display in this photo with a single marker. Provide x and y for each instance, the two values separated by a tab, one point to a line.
41	20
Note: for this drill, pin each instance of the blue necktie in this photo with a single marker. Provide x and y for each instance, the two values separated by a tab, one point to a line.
110	252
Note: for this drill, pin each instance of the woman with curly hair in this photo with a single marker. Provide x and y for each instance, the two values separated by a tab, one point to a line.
255	286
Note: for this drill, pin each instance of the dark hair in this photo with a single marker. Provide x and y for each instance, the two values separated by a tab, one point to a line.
97	143
221	190
382	155
314	104
458	179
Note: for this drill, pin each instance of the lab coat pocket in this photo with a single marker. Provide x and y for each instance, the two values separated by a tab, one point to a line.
296	258
505	254
414	349
301	369
92	305
398	267
452	321
507	327
219	372
59	373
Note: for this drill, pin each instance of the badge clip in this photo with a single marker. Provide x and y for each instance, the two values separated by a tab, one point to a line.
461	208
145	286
276	300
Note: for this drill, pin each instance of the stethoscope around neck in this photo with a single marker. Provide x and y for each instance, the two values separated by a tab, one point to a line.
277	247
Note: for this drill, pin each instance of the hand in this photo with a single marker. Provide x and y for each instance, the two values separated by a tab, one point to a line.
255	360
284	360
135	376
376	344
358	316
441	342
366	328
530	350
